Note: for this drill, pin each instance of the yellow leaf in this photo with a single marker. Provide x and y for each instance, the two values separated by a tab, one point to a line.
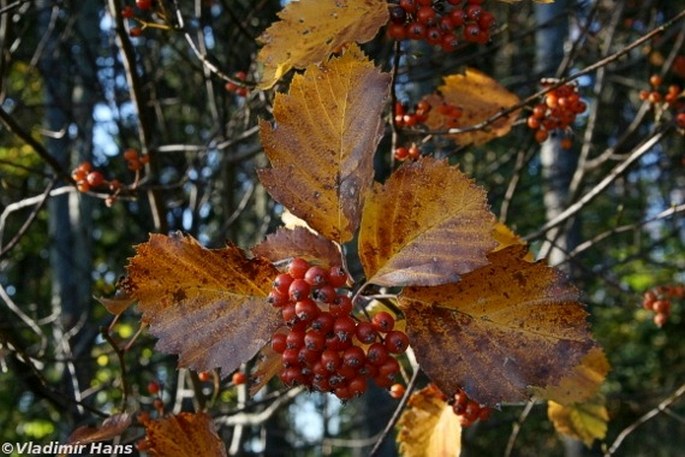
183	435
582	383
322	144
310	30
503	328
506	237
427	225
585	421
207	305
479	97
428	427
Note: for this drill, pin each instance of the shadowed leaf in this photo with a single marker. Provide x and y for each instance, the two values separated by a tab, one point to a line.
479	97
322	144
111	427
207	305
310	30
582	383
183	435
427	225
502	329
428	427
269	364
585	421
506	237
299	242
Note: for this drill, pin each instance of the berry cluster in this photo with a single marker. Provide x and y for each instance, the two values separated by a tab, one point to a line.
558	110
673	98
87	179
441	23
658	299
468	410
324	347
134	160
240	91
403	153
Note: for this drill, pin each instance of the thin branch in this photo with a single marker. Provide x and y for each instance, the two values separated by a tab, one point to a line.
660	408
516	429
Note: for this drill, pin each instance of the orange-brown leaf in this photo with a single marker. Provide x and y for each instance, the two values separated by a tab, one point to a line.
479	97
183	435
503	328
269	364
207	305
111	427
428	427
310	30
584	421
116	305
582	383
506	237
322	144
299	242
427	225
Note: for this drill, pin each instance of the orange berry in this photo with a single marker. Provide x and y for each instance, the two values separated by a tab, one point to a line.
541	135
85	166
95	178
661	306
397	391
566	142
660	319
130	154
533	122
654	97
655	81
414	152
83	186
204	376
644	95
238	378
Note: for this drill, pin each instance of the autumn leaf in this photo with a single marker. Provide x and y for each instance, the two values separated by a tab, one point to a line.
299	242
506	237
581	383
116	305
585	421
207	305
322	144
427	225
310	30
428	427
479	98
111	427
503	328
183	435
269	364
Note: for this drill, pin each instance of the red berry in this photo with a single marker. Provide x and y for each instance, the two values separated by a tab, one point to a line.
298	267
341	306
290	358
278	342
344	328
204	376
298	289
397	31
366	332
661	306
127	12
323	323
426	15
458	17
377	354
416	31
238	378
144	4
306	310
326	294
680	120
398	15
414	152
401	153
357	386
294	339
95	178
396	342
408	5
277	299
337	276
316	276
655	81
314	341
153	387
331	360
135	32
383	321
354	357
397	391
282	282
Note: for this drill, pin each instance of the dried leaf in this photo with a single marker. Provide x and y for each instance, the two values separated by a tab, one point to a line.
585	421
116	305
322	144
183	435
507	237
299	242
111	427
582	383
427	225
502	329
269	364
207	305
428	427
479	97
310	30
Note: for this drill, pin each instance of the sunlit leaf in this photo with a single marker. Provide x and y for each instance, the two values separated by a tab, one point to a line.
208	306
479	97
183	435
322	144
116	305
111	427
581	383
502	329
427	225
428	427
585	421
299	242
308	31
506	237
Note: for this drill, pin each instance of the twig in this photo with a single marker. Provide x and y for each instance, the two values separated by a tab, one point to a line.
660	408
516	429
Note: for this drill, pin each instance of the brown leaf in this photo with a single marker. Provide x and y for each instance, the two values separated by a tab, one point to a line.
183	435
310	30
111	427
299	242
269	364
503	328
428	427
506	237
116	305
479	97
582	383
585	421
427	225
207	305
322	144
